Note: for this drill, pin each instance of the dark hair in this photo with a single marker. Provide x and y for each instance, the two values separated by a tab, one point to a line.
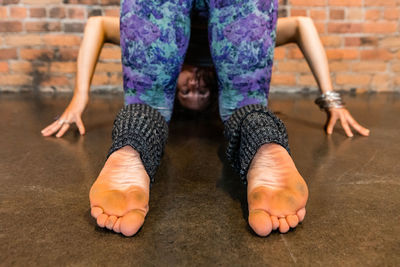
209	77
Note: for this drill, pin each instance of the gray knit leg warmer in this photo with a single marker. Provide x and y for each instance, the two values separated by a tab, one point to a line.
143	128
247	130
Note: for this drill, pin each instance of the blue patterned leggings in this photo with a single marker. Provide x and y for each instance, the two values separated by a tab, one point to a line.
155	35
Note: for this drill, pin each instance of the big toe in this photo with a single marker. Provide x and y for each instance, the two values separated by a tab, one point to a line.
260	222
131	222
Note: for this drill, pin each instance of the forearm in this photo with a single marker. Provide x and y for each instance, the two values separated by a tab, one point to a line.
301	30
88	56
307	39
97	32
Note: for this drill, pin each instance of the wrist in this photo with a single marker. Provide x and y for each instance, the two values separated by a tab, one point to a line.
325	89
328	100
80	100
322	92
81	92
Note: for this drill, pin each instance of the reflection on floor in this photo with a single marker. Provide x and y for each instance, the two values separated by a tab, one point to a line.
198	206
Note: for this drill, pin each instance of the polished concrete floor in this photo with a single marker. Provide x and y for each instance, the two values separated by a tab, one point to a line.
198	206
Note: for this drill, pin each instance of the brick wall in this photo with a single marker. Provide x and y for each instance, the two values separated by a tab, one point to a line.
362	42
39	42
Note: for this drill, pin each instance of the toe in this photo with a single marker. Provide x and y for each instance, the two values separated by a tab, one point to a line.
117	225
131	222
101	219
110	222
292	220
301	213
96	211
283	225
275	222
260	222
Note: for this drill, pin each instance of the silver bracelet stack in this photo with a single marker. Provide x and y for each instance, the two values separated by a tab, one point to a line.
329	100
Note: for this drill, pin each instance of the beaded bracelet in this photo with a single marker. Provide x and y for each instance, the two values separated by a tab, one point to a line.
329	100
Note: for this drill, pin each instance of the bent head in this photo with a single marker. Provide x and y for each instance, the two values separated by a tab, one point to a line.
195	86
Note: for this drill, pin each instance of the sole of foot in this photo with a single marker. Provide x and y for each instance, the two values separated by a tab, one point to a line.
120	195
276	192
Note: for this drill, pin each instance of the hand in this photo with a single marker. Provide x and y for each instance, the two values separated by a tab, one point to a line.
72	114
346	119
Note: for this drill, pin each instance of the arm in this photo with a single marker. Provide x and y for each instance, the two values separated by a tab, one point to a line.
98	30
301	30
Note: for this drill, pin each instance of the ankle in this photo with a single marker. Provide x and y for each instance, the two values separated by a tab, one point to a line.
126	151
268	147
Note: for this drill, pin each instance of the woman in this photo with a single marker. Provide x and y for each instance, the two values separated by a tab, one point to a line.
154	39
195	85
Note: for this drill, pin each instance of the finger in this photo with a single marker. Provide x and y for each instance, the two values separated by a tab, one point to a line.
80	125
63	129
47	127
357	126
54	127
346	126
331	124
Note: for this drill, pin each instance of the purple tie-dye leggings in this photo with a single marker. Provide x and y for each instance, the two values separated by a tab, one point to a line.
155	35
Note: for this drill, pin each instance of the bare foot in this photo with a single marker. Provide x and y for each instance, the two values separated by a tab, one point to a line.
276	192
119	198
